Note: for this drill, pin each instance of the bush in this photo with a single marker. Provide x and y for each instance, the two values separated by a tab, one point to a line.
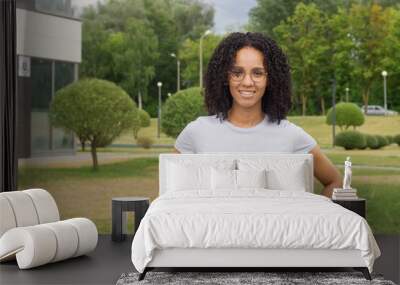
347	114
144	118
350	140
145	142
396	139
390	139
141	120
180	109
372	141
97	111
382	141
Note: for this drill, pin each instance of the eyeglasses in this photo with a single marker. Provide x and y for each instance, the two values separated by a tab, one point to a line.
257	74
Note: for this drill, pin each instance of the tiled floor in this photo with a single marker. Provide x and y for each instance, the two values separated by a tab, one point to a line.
110	260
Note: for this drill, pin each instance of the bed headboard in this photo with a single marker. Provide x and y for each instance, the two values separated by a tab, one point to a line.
210	158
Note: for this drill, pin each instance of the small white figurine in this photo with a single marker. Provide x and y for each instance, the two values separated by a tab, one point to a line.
347	174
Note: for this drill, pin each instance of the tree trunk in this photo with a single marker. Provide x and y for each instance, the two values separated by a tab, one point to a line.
304	104
94	155
82	144
323	106
365	98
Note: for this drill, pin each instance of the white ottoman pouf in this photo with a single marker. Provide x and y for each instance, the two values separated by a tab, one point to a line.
31	232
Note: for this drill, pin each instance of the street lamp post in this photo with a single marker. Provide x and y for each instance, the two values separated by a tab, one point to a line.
384	74
333	111
201	58
178	72
347	94
159	84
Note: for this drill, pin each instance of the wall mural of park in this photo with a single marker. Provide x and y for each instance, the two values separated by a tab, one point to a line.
138	87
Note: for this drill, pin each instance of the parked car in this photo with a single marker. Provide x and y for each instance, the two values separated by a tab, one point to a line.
376	110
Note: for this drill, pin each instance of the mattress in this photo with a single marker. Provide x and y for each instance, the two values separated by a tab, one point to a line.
250	219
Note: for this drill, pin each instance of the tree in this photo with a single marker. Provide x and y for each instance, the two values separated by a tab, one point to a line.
369	29
268	14
302	38
133	54
189	54
180	109
346	115
110	24
95	110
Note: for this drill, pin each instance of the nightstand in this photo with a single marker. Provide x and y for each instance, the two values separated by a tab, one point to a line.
120	205
358	205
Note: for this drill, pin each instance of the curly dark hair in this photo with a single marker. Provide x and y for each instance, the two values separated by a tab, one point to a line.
276	101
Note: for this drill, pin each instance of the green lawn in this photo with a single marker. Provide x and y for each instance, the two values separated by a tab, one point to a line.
314	125
83	192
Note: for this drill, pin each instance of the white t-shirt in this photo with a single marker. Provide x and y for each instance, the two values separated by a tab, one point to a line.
209	134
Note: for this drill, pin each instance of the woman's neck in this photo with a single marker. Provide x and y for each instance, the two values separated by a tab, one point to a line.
245	118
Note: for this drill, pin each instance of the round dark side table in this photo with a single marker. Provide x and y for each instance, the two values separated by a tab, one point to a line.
120	205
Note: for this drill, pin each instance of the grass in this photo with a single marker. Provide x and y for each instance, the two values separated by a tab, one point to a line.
314	125
388	156
318	129
81	192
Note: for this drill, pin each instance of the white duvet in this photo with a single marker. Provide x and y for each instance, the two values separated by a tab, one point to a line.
250	219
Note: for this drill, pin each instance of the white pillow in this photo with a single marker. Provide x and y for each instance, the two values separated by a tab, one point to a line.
251	178
293	180
283	174
185	178
223	179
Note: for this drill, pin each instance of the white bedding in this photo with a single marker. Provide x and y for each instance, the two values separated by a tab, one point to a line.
251	218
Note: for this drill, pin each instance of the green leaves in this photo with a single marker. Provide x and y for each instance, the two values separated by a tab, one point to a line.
180	109
95	110
350	41
346	115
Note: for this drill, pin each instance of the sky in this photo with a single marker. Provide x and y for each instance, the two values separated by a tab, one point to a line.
228	13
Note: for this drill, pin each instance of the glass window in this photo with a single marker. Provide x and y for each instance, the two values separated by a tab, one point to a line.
64	75
41	84
41	75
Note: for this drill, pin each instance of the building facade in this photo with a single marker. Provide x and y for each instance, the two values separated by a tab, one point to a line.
48	56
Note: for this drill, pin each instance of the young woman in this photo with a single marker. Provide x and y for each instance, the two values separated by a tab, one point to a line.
248	95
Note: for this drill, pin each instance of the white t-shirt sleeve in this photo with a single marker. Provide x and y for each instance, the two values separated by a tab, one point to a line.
303	142
184	141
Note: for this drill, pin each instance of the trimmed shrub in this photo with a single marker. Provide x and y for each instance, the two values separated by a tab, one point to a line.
97	111
180	109
382	141
351	140
390	139
141	120
372	141
347	114
144	118
145	142
396	139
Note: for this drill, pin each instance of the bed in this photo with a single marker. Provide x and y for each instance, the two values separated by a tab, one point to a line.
247	210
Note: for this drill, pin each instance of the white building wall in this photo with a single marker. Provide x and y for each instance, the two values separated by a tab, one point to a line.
46	36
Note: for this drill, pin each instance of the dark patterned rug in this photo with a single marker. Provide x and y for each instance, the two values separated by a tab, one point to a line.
270	278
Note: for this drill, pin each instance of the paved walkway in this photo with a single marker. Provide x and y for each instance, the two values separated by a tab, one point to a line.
81	159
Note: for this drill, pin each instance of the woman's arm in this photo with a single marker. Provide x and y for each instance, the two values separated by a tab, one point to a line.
176	151
325	172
